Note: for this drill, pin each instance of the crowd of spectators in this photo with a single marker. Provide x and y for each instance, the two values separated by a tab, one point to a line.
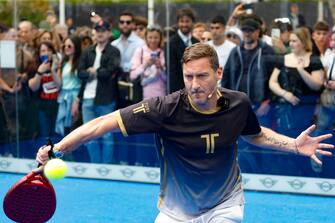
67	75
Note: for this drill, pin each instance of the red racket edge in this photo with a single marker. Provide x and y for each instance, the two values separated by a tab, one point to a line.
31	199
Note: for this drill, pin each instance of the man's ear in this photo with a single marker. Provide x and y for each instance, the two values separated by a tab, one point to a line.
219	73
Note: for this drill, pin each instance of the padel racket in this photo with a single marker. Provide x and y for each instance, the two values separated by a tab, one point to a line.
32	198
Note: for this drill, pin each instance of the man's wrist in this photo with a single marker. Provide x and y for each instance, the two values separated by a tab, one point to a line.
296	148
58	151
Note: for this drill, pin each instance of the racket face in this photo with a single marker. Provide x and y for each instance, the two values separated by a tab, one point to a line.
32	199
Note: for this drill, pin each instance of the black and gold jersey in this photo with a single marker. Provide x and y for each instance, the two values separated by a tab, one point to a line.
198	151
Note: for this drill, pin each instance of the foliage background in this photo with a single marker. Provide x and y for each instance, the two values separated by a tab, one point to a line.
34	10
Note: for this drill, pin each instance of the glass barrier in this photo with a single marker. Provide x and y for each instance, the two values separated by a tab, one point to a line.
44	64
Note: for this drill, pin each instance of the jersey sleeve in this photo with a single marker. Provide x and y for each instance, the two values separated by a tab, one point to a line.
144	117
252	126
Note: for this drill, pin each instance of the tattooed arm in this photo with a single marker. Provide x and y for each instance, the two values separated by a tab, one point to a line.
304	144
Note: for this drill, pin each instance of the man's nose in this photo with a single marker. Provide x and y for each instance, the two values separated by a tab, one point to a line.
195	83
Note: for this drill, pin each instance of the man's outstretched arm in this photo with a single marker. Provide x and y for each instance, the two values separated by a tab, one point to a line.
304	144
90	130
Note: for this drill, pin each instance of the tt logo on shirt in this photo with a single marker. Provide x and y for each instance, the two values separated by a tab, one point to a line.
210	141
143	108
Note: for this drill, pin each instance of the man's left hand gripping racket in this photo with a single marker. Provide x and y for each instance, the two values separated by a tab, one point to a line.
32	198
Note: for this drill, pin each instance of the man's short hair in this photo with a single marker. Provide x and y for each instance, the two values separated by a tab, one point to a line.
201	50
188	12
219	19
127	13
321	26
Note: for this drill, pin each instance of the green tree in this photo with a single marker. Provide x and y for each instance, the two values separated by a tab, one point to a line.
34	11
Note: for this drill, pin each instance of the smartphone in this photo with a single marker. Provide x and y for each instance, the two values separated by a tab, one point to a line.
93	13
54	57
275	32
247	6
154	55
44	58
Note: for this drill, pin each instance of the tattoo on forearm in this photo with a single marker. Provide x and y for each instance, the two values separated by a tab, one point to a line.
274	141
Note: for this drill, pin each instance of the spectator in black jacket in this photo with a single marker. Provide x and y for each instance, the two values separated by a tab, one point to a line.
182	39
248	70
97	69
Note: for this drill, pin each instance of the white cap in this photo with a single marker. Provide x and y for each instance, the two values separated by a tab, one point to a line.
234	30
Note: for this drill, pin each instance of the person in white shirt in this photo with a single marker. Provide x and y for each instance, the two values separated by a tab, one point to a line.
221	45
128	42
97	69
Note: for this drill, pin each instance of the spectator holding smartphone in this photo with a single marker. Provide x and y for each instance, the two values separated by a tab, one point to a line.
280	35
68	74
47	83
148	62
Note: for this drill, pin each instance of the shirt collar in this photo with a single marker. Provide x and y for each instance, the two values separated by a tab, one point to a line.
132	37
184	37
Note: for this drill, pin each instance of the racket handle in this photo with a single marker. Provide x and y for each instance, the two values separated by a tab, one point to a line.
51	153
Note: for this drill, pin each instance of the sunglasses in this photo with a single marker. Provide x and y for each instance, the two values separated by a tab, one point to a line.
125	22
68	46
234	36
140	28
206	39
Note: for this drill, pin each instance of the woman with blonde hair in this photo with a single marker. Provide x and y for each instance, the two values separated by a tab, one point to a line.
296	82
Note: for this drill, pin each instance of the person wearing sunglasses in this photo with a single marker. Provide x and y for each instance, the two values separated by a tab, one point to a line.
128	42
141	24
70	85
247	70
234	34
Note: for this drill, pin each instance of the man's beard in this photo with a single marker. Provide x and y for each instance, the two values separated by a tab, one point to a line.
185	31
126	34
249	41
